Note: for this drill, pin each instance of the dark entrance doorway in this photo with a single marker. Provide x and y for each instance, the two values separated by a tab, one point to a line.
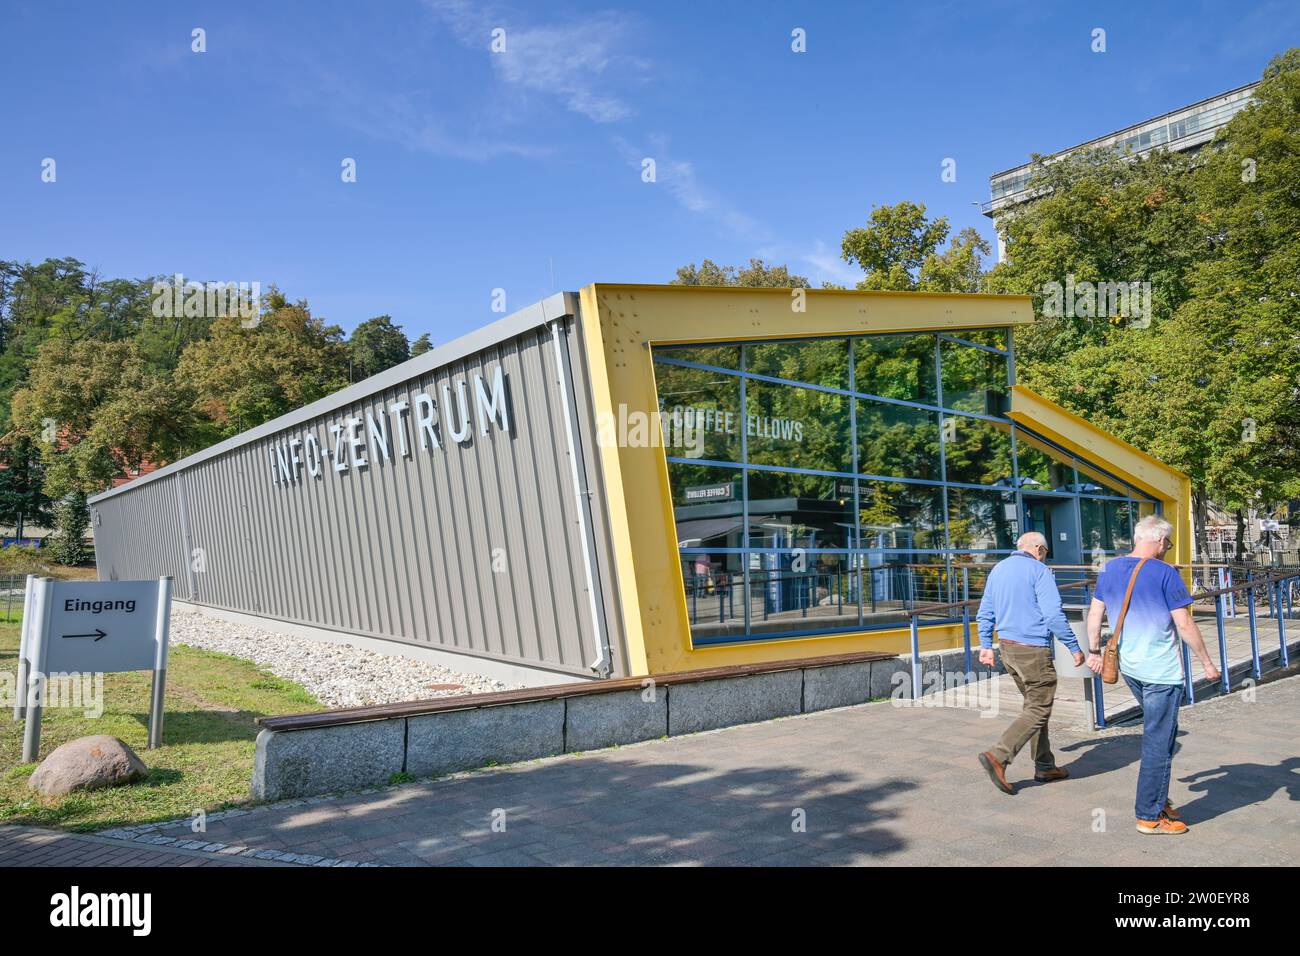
1057	519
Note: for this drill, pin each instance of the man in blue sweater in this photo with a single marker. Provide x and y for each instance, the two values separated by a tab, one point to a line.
1022	604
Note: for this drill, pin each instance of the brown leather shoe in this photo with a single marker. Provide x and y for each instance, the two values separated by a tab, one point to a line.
1162	827
1047	776
997	772
1170	812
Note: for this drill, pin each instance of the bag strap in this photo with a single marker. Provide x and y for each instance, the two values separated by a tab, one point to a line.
1128	596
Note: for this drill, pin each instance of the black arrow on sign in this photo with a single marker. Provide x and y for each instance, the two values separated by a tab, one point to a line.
97	635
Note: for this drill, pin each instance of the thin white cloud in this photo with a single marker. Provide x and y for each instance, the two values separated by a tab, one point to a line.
580	64
403	118
678	178
829	266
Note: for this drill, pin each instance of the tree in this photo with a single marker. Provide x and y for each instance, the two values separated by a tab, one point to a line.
894	245
97	414
376	344
71	519
244	376
33	298
1208	381
960	268
22	502
757	274
163	339
1099	217
421	345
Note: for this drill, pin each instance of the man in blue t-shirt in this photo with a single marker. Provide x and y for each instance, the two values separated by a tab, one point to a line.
1159	613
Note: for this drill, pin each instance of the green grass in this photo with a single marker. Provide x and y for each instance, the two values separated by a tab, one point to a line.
205	762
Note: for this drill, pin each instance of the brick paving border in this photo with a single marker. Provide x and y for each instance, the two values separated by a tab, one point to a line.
36	846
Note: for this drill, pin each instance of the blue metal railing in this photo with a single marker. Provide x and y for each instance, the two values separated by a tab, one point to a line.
1282	589
1279	589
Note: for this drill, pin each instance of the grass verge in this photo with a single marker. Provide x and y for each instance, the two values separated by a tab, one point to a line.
206	759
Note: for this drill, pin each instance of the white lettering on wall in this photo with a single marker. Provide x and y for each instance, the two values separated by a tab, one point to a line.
386	428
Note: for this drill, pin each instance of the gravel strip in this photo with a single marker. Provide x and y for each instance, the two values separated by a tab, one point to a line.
339	675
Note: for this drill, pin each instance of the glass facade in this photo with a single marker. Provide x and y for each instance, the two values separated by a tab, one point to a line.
825	485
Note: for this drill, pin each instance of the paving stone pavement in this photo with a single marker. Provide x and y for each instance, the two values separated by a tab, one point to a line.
36	846
873	785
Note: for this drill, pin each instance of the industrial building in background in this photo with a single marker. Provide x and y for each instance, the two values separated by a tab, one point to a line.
639	479
1180	130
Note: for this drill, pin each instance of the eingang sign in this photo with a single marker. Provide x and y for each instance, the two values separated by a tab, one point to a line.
349	450
91	627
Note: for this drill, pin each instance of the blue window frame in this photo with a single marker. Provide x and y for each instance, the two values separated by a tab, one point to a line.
831	484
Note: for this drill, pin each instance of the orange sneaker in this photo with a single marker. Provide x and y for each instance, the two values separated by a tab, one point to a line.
1162	826
1170	812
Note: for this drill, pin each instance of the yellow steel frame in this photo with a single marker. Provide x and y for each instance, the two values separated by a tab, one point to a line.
620	325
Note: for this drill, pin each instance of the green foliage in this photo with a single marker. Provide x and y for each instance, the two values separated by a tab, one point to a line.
894	245
757	275
421	345
71	521
22	500
375	345
1100	217
97	412
959	268
17	560
241	375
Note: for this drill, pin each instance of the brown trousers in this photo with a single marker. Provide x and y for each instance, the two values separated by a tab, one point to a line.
1033	671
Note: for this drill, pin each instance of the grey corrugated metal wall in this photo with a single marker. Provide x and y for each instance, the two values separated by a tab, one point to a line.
473	548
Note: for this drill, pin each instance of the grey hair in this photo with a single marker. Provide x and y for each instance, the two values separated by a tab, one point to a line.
1153	528
1031	539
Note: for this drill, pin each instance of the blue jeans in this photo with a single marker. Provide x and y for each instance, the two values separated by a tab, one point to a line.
1159	737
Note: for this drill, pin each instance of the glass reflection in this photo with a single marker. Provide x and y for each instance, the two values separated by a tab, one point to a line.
896	366
974	380
788	542
897	441
822	362
699	412
791	427
978	452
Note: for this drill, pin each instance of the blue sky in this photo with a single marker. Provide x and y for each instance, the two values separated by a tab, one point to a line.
480	170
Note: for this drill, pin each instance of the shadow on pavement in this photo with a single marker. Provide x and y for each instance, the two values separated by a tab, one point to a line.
1236	785
612	812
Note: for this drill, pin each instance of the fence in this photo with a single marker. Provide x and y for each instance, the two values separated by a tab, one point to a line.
840	595
1237	618
12	589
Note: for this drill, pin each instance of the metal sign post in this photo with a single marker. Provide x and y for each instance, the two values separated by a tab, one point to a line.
162	628
96	627
35	688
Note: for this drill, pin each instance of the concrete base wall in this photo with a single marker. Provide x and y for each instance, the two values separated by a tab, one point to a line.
709	705
325	759
352	756
466	663
438	744
607	720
